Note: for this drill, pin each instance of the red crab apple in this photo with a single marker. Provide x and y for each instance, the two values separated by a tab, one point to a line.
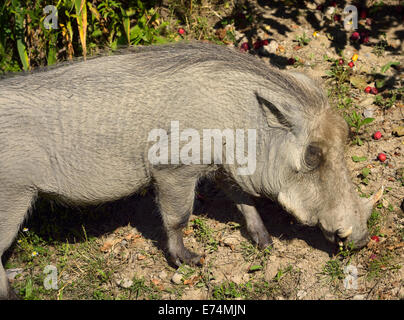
181	30
377	135
368	89
382	157
245	46
374	90
341	62
355	36
375	238
351	64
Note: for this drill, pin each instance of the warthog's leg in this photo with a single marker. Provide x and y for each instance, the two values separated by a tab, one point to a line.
14	204
175	196
246	205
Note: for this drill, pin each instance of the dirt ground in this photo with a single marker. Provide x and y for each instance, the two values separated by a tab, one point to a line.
118	251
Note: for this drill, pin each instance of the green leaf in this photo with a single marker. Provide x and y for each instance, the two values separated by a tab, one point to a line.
365	172
255	268
358	159
367	121
23	54
96	33
388	65
380	84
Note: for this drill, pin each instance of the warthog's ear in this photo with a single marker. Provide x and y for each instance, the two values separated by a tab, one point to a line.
272	113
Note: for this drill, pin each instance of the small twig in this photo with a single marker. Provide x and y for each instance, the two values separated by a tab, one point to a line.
367	297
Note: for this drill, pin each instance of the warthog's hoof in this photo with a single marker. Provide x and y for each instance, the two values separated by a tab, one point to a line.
188	257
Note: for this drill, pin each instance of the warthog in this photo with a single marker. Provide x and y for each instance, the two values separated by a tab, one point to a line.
81	133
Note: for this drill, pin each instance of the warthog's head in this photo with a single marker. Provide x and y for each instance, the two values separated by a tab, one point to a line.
306	171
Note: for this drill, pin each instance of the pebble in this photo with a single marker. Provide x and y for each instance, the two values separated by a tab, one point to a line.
368	113
311	5
126	283
177	278
12	273
301	294
329	12
270	48
162	275
230	241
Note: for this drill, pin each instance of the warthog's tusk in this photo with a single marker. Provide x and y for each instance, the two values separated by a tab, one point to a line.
345	233
377	196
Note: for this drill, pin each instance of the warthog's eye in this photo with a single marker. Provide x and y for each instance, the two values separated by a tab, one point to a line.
313	156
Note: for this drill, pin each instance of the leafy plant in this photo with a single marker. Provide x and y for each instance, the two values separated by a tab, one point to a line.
356	122
303	40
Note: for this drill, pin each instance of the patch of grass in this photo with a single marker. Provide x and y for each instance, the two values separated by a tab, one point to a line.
228	290
246	291
380	48
333	269
251	252
374	222
388	99
204	234
380	265
140	290
282	272
338	73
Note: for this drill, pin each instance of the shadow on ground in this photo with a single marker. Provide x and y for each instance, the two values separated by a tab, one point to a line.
55	223
254	16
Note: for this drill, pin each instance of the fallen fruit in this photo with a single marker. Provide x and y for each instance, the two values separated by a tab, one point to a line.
374	90
355	57
355	36
181	31
368	89
351	64
377	135
375	238
382	157
245	46
341	62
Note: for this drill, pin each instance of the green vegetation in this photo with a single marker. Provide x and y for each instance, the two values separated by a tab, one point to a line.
27	38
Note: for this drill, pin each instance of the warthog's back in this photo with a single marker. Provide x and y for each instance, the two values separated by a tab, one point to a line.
86	124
